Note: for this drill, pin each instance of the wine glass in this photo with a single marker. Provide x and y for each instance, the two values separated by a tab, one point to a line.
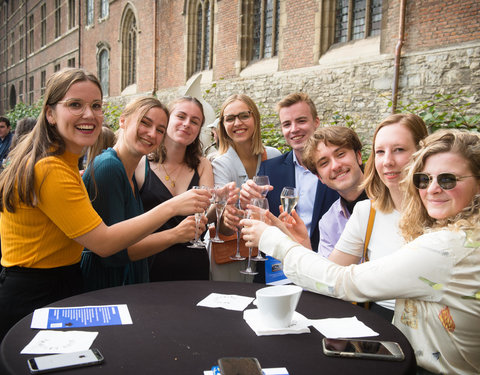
289	199
263	204
248	270
240	214
221	195
196	244
264	182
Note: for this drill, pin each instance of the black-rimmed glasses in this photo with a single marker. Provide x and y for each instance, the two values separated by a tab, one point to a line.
77	106
446	181
242	116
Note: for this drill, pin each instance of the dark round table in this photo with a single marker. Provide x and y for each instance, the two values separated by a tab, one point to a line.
171	335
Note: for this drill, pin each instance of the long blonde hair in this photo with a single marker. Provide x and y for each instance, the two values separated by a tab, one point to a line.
43	141
415	219
376	190
225	141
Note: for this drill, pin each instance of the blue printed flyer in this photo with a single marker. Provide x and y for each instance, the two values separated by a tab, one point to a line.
83	316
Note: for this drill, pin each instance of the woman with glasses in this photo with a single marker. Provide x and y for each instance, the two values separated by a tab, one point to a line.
115	196
47	217
435	277
172	169
240	153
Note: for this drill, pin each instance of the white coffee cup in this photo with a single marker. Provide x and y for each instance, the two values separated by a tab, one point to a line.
276	304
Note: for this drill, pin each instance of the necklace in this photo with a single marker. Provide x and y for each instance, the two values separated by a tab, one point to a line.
168	177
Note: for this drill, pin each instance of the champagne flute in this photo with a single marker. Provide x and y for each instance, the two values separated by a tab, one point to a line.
196	244
289	199
263	182
248	270
240	214
263	204
221	195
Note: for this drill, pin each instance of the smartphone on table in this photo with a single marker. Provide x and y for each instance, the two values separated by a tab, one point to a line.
239	366
371	349
55	362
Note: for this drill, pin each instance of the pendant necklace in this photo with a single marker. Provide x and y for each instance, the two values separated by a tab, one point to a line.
168	177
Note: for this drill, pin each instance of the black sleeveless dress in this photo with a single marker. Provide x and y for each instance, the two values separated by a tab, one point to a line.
178	262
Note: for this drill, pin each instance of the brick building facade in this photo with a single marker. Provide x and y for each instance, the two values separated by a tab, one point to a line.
339	51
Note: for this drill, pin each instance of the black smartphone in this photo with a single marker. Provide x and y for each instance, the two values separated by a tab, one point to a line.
372	349
55	362
239	366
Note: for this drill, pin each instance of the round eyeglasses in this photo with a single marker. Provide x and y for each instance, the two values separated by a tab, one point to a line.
77	106
446	181
242	116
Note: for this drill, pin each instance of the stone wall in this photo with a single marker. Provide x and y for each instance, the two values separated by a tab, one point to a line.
359	89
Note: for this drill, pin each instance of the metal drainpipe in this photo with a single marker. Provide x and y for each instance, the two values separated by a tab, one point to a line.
79	34
154	89
398	52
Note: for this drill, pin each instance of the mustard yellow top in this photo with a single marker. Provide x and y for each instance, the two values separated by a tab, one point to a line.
42	236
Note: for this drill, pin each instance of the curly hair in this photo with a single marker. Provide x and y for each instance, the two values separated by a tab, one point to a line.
376	190
415	219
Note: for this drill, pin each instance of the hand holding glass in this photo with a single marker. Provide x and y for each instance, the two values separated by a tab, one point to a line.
263	182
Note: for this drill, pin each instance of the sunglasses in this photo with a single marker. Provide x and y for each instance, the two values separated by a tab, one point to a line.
446	181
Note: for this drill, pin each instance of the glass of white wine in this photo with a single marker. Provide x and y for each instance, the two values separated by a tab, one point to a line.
289	199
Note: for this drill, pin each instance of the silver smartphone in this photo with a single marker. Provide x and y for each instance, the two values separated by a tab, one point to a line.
371	349
49	363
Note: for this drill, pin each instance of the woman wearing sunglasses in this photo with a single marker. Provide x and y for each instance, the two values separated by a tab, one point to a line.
435	277
240	153
47	217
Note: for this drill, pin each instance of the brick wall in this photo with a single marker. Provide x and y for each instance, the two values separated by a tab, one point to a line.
226	41
298	34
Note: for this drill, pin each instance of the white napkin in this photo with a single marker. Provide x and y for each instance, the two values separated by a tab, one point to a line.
299	324
226	301
52	342
342	327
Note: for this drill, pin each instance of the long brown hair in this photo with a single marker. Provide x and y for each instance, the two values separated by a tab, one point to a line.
193	152
225	141
43	141
376	190
415	219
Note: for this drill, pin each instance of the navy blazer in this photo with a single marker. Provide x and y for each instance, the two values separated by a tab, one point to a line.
281	173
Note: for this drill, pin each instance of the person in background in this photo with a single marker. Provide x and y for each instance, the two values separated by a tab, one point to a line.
211	151
47	217
106	139
5	137
239	156
435	277
172	169
115	196
334	154
24	126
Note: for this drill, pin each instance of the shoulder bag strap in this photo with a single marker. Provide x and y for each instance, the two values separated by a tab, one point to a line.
371	220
